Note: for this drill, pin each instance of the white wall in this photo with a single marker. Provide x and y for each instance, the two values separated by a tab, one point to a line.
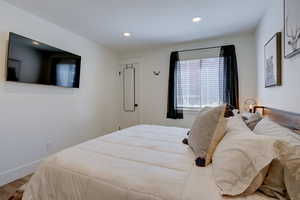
287	96
38	120
154	90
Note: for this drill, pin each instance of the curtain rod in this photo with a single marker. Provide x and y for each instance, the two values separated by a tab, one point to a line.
202	48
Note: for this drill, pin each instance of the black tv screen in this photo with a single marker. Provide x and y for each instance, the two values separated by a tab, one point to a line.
30	61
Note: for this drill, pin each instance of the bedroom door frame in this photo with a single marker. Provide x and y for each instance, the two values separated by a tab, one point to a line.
134	104
130	117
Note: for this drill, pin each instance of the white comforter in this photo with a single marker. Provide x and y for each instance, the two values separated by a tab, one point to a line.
139	163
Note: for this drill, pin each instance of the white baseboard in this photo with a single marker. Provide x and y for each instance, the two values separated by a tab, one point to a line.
17	173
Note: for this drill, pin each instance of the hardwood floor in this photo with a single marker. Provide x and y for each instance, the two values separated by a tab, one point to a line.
7	190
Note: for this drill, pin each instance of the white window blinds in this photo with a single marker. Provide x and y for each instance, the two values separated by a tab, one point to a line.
199	82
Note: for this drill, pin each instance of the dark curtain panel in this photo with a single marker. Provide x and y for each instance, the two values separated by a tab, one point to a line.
174	112
230	78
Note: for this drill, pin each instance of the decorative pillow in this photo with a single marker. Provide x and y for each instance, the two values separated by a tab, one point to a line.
207	131
251	119
185	141
229	111
291	161
239	166
274	184
288	176
236	126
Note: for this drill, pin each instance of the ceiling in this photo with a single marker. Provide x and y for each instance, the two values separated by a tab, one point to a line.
151	22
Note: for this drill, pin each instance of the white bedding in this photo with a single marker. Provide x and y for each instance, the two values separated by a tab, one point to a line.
139	163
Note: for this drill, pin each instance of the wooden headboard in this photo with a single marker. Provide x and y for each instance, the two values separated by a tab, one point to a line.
287	119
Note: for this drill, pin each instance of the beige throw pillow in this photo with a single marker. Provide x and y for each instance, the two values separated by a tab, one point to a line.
207	131
199	113
291	161
239	166
290	172
274	185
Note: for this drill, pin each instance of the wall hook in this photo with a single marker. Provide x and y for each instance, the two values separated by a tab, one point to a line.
156	73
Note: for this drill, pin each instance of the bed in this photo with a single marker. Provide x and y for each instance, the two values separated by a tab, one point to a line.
143	162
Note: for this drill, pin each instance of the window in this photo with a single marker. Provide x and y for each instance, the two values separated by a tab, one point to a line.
199	82
65	75
202	77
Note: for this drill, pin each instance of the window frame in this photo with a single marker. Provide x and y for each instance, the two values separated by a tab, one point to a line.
197	109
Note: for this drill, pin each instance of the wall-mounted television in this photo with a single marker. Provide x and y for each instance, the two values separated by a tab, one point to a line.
31	61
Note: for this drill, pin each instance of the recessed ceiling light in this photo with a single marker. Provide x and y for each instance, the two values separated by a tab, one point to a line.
126	34
197	19
35	43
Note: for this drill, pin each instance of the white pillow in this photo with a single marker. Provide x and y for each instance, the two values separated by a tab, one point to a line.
268	127
239	165
236	125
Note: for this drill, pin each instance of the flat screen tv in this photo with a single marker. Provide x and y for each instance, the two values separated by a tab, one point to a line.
30	61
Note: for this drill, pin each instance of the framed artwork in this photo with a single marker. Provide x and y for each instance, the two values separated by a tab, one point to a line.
291	28
273	61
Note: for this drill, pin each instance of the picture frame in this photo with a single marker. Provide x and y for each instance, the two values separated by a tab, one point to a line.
273	61
291	28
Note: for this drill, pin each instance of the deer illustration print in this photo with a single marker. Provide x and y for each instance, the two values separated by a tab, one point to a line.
293	35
